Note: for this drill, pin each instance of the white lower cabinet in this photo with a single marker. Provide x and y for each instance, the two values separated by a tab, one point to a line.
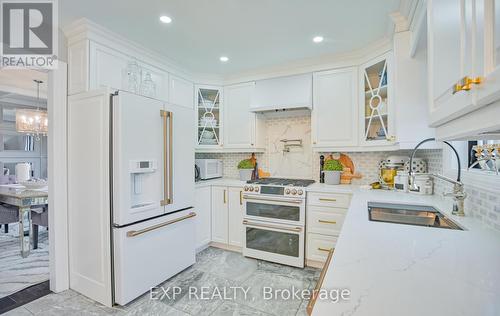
219	215
325	213
202	208
227	215
235	217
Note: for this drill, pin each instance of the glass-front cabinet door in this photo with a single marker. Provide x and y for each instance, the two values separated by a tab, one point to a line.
487	52
377	119
209	118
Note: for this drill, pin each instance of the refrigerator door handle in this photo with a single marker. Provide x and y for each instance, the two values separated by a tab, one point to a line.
134	233
167	156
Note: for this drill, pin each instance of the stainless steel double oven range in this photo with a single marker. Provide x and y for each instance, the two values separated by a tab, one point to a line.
274	220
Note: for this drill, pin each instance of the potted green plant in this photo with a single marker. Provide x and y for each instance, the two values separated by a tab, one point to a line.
246	168
332	170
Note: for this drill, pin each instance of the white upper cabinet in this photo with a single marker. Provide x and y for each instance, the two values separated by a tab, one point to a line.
209	108
107	67
104	61
464	68
335	114
450	58
290	92
487	57
377	122
181	92
239	123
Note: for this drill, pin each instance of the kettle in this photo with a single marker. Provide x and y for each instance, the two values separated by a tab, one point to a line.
23	171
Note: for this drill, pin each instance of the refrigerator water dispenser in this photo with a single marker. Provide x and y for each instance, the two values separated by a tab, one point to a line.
141	172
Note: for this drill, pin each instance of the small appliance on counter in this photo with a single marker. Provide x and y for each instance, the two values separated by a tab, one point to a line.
209	168
389	168
425	184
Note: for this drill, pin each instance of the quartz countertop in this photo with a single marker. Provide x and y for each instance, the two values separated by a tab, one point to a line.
230	182
394	269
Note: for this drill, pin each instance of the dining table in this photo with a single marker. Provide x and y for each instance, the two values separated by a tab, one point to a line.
24	199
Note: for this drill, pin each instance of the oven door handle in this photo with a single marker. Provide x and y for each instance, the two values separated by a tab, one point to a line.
294	229
269	199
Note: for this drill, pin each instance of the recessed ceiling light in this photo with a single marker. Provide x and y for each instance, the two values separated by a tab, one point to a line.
318	39
165	19
224	59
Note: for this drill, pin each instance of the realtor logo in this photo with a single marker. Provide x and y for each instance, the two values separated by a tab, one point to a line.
29	33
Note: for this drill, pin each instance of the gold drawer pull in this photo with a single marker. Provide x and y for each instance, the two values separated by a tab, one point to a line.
326	222
325	249
328	200
134	233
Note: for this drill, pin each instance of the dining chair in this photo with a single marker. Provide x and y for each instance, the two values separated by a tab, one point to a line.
39	217
8	214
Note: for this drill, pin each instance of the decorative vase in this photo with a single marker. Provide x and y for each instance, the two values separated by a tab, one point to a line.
332	177
245	174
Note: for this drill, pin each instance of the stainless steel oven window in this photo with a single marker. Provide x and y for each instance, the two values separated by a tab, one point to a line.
276	211
276	242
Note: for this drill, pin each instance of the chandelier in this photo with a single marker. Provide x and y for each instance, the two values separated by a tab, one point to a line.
33	122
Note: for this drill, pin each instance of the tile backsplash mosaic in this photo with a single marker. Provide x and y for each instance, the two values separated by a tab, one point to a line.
302	162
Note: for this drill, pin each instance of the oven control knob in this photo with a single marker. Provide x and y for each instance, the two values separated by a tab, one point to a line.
251	189
256	189
294	191
245	188
300	192
287	191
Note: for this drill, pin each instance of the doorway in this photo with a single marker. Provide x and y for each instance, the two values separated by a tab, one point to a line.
24	208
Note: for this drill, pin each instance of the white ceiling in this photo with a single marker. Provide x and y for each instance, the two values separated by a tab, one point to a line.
253	33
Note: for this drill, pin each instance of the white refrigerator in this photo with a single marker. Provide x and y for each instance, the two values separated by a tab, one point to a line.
131	193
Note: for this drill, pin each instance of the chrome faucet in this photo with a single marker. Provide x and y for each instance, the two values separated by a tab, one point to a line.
458	193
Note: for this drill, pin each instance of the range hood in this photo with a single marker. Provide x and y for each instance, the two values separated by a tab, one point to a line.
284	93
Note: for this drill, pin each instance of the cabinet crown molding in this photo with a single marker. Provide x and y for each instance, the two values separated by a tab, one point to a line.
85	29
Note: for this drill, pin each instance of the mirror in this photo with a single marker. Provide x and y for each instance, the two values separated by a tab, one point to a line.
17	142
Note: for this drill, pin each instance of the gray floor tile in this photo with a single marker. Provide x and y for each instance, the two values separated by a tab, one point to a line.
303	308
214	268
75	306
276	305
154	308
194	303
49	301
235	309
20	311
227	264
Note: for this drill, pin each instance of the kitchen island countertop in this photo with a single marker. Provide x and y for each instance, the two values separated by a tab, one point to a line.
394	269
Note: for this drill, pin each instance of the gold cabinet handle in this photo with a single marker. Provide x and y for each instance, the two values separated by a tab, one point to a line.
327	200
465	84
225	200
134	233
241	197
325	249
167	156
291	229
326	222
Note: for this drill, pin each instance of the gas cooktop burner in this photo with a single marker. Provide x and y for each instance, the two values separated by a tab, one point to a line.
282	182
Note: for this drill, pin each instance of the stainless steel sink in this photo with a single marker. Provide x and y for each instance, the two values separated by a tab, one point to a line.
417	215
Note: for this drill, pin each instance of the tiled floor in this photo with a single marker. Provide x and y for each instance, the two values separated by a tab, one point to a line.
214	268
24	296
16	272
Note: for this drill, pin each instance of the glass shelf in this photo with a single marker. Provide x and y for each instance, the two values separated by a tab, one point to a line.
209	116
376	125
